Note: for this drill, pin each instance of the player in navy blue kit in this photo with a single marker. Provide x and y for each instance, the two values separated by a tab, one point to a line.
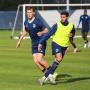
85	19
36	30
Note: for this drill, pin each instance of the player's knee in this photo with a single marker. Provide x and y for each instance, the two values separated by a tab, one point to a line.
36	61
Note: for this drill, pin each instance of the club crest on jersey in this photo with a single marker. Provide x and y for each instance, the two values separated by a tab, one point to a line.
34	25
57	50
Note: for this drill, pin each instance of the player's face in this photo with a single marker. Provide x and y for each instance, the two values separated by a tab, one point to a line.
30	14
85	12
63	18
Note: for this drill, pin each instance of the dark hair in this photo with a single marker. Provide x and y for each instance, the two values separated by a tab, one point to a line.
30	8
85	11
65	13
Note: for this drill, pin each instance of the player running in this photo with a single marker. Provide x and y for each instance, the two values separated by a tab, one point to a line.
85	19
62	31
36	30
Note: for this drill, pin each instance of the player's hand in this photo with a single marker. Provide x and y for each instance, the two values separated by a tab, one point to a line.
18	45
39	33
39	47
70	35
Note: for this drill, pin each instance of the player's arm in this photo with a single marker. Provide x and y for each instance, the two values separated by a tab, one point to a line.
72	33
79	22
43	28
47	36
24	33
42	32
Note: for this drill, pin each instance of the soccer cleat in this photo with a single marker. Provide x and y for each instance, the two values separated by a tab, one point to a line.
51	79
89	44
54	76
42	80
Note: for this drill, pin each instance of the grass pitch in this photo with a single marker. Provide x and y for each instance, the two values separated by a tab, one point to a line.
18	71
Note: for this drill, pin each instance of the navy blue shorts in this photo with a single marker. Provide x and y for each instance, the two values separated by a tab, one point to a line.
35	49
58	49
84	30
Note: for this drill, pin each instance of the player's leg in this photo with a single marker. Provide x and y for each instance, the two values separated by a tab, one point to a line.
42	61
37	62
20	34
35	57
59	53
73	44
41	56
84	36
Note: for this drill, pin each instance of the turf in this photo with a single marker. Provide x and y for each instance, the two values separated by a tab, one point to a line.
18	71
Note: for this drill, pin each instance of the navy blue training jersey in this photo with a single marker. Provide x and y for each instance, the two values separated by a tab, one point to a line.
85	19
33	28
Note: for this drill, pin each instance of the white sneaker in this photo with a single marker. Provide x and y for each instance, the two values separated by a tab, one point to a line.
42	80
88	44
54	76
51	79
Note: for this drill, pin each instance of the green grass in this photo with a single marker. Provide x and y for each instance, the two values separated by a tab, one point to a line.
18	71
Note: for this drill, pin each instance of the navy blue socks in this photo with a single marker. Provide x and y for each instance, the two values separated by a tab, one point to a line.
52	68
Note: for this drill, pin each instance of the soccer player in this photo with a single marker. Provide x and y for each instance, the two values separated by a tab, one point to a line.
85	19
62	31
36	30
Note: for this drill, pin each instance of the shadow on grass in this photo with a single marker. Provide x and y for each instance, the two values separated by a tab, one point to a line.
66	78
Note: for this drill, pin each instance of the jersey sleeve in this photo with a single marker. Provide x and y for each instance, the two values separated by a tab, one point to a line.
80	19
50	33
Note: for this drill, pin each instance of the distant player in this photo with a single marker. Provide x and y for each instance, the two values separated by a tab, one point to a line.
85	19
36	30
61	32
